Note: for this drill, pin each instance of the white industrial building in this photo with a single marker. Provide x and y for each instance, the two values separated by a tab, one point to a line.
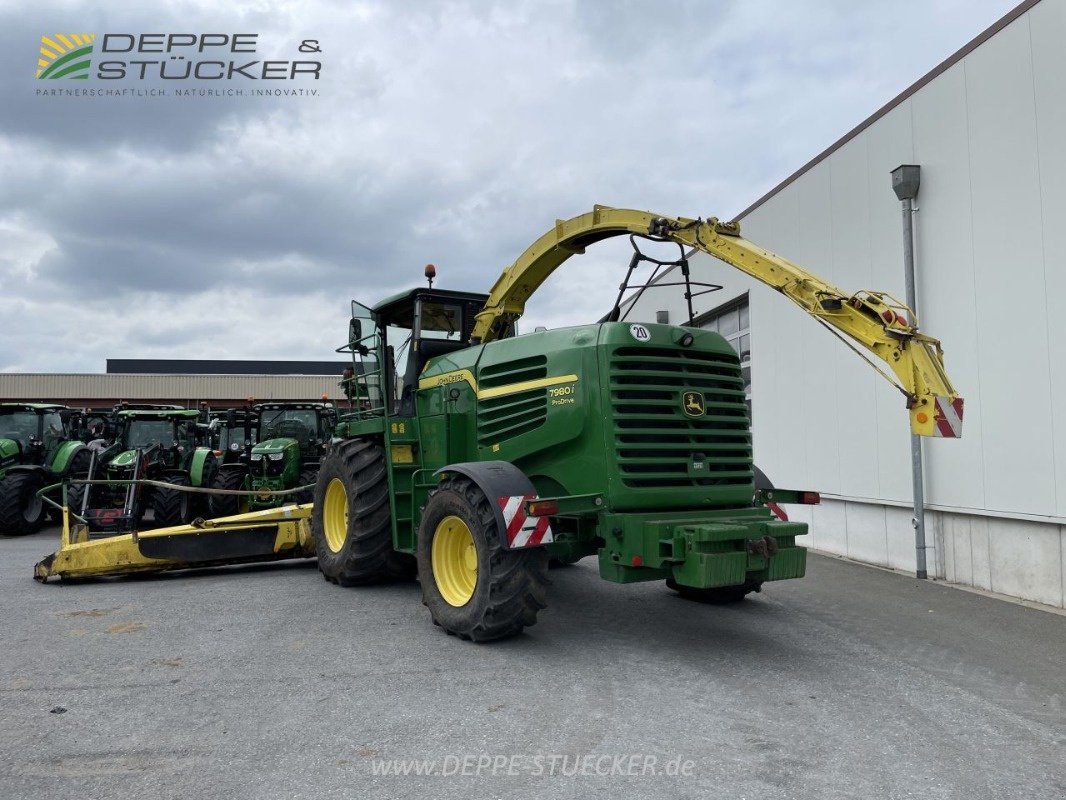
988	130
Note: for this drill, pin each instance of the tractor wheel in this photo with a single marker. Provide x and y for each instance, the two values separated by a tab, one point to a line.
718	595
75	496
226	505
77	468
171	506
21	510
473	587
308	477
351	521
201	503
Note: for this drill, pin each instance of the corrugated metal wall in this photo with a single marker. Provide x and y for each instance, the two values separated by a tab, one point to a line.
81	389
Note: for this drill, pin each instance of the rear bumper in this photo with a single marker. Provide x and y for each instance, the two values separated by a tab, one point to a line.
703	554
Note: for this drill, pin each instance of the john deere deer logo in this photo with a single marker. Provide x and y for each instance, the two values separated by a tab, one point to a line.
693	404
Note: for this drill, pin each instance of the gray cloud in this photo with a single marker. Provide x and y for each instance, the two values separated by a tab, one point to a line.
453	133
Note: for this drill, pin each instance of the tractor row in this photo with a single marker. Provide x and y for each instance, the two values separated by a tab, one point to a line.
259	454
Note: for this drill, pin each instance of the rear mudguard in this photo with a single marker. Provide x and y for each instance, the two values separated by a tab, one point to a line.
65	456
506	487
28	468
198	470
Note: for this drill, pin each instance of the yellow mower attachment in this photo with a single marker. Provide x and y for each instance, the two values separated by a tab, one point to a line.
272	534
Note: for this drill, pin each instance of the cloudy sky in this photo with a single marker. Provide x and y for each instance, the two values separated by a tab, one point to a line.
452	133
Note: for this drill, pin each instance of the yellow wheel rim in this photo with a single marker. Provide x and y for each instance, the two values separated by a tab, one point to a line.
335	515
454	560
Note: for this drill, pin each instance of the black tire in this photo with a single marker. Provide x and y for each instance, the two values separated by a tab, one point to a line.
308	477
75	495
511	585
21	511
226	505
78	467
173	507
718	595
365	555
201	502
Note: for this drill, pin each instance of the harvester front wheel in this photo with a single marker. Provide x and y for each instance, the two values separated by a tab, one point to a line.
21	510
474	587
173	506
717	595
351	521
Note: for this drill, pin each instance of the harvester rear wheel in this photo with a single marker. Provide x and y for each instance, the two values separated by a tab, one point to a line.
718	595
351	521
172	506
226	505
21	510
473	587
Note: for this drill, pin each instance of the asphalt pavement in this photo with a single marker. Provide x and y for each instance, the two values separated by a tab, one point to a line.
267	682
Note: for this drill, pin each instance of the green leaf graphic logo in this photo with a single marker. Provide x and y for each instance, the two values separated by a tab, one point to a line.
65	56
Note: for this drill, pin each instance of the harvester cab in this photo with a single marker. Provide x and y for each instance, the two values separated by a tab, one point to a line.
36	449
273	447
397	338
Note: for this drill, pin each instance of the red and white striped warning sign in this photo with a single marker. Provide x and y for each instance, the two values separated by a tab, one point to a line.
523	531
948	417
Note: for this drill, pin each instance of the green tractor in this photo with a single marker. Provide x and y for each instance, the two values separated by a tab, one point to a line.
170	444
228	435
278	447
36	450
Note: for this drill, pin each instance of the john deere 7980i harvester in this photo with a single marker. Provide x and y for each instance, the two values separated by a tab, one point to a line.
492	453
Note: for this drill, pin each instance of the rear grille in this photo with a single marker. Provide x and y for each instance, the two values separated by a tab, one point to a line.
656	441
502	418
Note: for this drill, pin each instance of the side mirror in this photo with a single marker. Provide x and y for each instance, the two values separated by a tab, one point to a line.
355	330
